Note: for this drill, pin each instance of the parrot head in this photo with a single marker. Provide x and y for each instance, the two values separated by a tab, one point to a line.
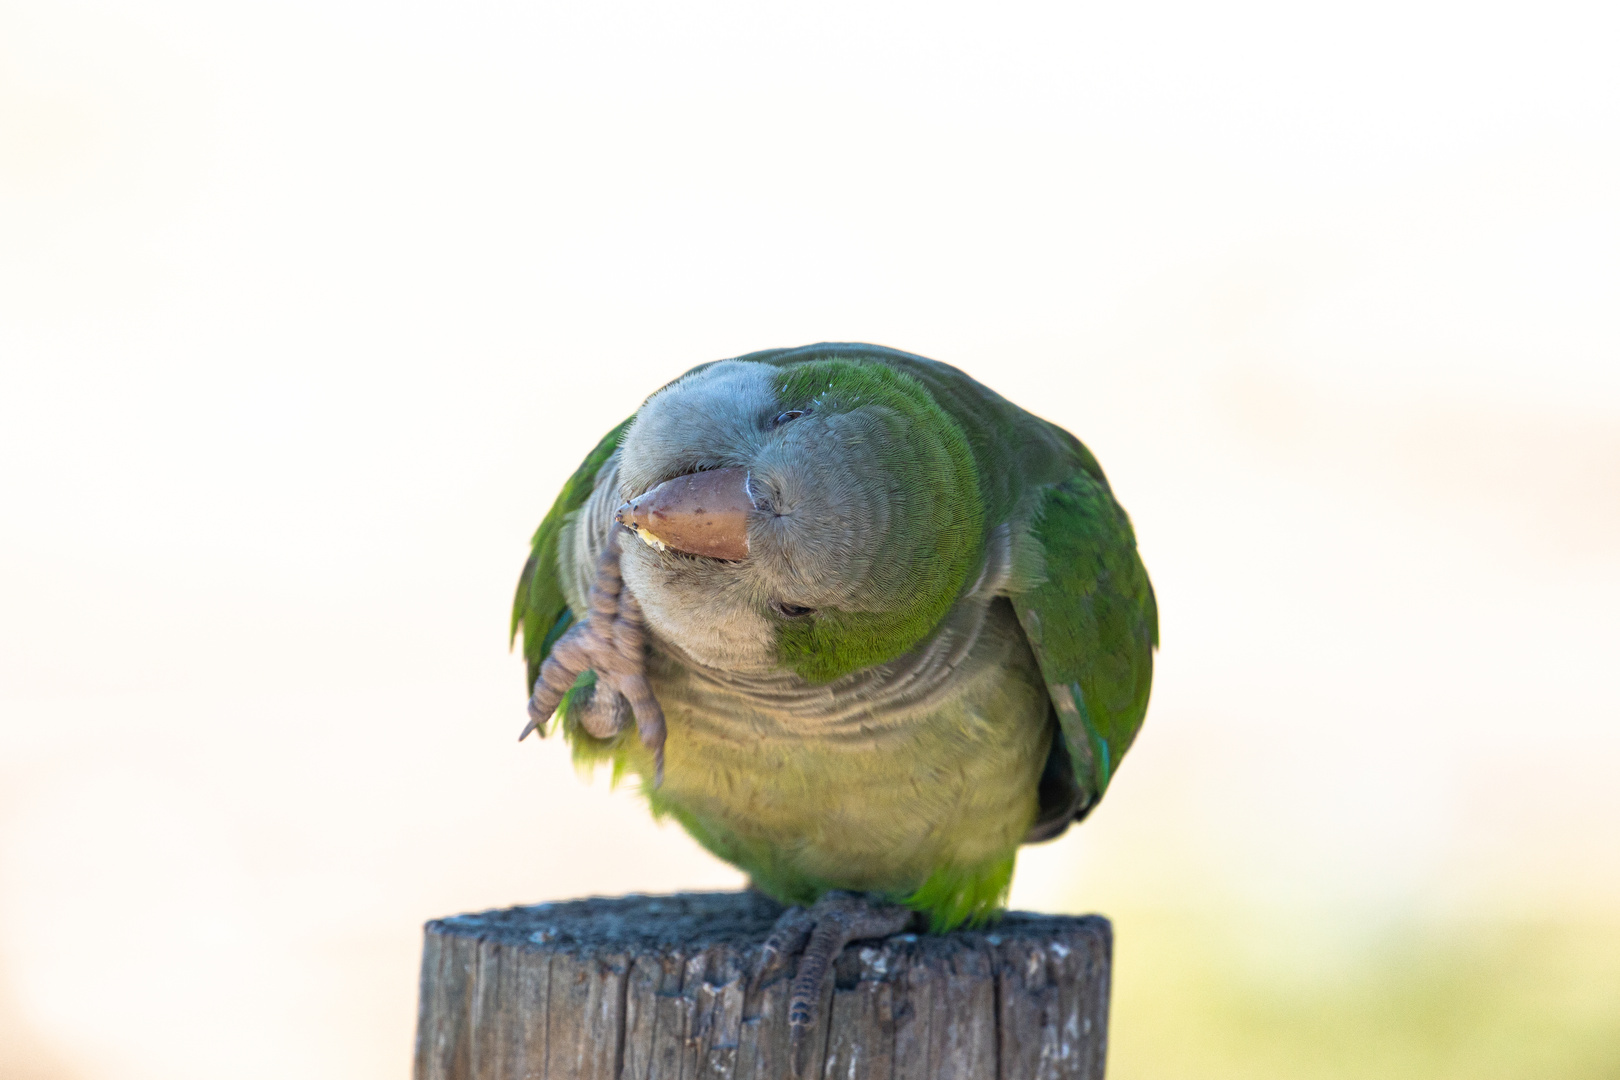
818	517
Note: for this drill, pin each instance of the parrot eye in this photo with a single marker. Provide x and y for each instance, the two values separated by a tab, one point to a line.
782	418
790	611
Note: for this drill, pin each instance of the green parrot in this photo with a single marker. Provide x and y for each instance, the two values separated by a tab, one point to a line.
859	624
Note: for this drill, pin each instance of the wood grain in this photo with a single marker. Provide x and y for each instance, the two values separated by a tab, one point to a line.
658	988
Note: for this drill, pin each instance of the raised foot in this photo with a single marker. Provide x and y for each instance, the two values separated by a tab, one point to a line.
820	933
610	642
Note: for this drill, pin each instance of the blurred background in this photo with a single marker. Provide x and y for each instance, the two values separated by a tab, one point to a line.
307	309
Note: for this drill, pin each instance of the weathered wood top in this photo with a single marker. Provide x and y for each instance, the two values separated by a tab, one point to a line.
658	988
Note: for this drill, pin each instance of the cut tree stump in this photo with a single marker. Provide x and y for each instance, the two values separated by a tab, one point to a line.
658	988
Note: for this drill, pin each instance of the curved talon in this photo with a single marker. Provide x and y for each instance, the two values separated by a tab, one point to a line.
610	641
788	938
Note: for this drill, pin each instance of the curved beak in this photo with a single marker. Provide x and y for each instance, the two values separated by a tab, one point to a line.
702	513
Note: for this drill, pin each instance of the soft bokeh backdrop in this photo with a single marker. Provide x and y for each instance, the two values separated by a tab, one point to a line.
306	309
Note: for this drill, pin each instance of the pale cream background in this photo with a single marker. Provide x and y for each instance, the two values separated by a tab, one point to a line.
306	309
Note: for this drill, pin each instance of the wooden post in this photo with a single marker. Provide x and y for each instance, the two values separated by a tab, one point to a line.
658	988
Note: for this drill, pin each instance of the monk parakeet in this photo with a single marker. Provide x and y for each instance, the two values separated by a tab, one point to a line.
858	623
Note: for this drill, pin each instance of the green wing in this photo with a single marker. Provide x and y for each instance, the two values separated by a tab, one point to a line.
539	608
1093	624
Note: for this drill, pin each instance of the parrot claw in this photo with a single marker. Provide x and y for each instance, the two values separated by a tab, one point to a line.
818	934
609	640
788	938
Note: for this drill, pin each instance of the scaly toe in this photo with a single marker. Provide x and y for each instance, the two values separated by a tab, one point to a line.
610	641
819	934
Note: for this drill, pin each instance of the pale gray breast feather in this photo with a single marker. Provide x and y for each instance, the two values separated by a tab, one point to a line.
863	702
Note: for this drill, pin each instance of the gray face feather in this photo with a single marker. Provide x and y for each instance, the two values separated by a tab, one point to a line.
822	519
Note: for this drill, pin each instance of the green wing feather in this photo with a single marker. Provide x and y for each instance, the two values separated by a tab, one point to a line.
539	609
1093	624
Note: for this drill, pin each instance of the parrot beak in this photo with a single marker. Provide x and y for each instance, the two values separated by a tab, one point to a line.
701	513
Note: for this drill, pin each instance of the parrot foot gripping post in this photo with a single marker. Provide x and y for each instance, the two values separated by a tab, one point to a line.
817	935
667	987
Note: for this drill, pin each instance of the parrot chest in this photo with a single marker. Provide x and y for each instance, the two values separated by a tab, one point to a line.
871	798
